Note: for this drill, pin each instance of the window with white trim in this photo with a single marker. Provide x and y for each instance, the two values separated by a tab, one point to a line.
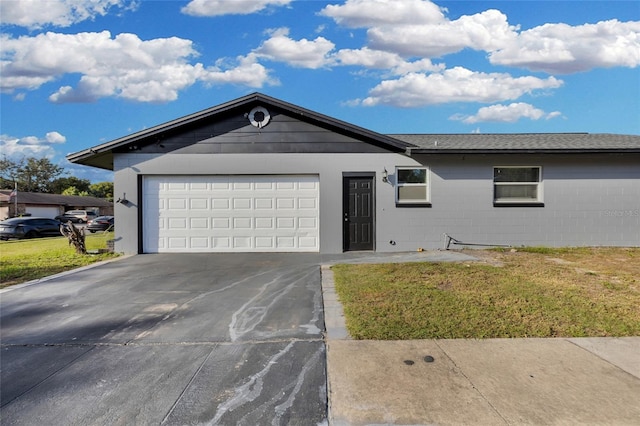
517	185
412	185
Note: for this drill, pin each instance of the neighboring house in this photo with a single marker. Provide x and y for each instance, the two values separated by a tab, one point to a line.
260	174
49	205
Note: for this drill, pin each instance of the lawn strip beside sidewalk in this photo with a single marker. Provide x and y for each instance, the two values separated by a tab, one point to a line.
557	293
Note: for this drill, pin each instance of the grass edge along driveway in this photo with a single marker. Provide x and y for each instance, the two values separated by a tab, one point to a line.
536	292
26	260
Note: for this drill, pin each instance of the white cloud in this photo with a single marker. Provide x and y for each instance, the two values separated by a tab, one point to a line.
36	14
455	85
229	7
369	13
563	49
55	137
418	28
487	31
319	53
298	53
506	114
378	59
124	66
30	146
245	71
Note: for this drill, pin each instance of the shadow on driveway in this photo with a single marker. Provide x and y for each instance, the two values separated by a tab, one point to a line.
173	339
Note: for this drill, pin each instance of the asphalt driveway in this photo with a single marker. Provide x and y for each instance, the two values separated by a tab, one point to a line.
168	339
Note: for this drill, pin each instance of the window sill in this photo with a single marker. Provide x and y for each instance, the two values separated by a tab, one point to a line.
426	205
518	204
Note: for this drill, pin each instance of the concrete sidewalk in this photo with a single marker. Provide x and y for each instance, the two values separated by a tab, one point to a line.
593	381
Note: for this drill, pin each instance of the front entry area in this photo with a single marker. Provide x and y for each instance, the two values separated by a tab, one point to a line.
358	212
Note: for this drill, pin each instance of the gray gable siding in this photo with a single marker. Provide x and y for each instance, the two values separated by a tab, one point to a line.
235	135
228	118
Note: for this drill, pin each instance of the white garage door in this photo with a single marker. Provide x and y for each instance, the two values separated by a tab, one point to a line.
49	212
230	213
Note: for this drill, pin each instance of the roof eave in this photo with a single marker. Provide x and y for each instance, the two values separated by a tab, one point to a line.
411	151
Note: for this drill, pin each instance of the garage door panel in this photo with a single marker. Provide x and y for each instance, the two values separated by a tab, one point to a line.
285	203
176	204
220	204
265	243
199	186
264	223
199	204
264	204
199	243
199	223
241	203
221	243
221	223
231	213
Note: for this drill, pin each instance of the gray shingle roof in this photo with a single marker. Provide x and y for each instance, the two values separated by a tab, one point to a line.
101	156
523	142
54	199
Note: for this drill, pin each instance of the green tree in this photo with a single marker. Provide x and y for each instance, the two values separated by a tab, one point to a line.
41	175
72	190
37	175
59	185
9	172
102	190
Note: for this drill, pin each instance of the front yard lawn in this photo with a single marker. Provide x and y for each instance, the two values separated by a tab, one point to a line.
534	292
25	260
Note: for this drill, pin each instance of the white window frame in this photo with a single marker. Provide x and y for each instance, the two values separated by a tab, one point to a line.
427	185
519	201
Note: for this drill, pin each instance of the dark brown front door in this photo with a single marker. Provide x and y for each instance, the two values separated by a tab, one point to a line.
358	212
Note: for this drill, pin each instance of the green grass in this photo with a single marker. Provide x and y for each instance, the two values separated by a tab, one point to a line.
25	260
536	293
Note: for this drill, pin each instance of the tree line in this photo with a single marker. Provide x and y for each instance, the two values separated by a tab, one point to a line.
41	175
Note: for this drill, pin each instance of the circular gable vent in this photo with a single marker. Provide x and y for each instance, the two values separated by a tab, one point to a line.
259	117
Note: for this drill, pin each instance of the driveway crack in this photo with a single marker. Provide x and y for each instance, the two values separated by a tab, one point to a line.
193	377
49	376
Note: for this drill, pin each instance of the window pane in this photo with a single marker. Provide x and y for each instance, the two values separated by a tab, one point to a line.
416	193
520	192
412	176
513	174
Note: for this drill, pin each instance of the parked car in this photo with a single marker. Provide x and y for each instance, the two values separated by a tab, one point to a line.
29	227
100	223
84	215
64	218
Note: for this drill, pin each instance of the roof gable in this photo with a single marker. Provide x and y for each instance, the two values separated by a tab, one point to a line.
228	128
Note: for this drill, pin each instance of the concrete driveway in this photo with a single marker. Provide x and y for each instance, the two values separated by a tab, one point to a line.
168	339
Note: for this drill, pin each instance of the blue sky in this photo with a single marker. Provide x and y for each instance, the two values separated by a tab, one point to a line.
78	73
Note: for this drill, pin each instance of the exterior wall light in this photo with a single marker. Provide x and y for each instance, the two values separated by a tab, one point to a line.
123	200
385	175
